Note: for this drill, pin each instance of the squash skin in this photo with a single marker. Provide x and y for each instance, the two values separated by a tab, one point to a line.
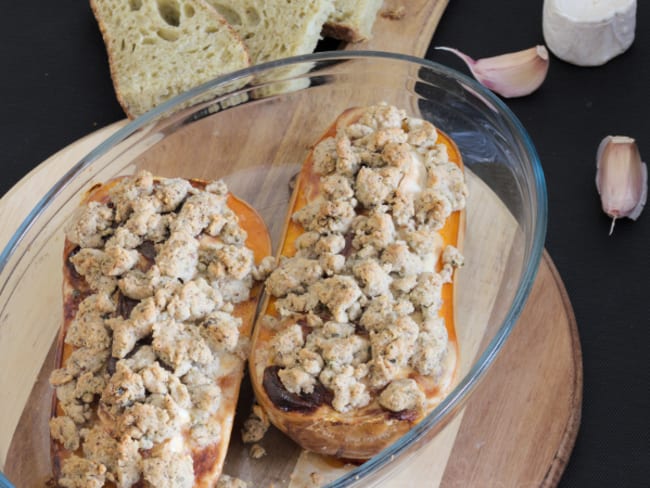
361	433
208	461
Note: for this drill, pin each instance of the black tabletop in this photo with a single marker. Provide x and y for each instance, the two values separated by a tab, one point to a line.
55	88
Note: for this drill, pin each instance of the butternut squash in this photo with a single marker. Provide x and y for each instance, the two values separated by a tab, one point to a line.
315	366
181	436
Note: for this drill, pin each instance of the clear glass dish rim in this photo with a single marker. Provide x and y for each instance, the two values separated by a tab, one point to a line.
482	364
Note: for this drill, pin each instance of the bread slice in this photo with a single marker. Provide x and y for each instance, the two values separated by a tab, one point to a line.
352	20
160	48
275	29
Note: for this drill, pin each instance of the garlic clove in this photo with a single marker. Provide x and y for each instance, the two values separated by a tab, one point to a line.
510	75
621	178
588	32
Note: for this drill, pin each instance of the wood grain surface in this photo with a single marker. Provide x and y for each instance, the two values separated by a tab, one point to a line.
517	429
404	27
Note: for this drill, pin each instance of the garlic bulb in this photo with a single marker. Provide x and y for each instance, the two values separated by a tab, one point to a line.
510	75
588	32
621	178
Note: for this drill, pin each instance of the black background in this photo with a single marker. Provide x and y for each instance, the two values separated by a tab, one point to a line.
55	88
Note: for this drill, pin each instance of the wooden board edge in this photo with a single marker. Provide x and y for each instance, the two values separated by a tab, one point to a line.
570	433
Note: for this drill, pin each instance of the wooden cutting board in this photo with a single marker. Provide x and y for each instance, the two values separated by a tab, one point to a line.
520	424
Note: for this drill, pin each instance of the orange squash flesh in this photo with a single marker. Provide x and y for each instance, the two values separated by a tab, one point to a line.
364	432
208	461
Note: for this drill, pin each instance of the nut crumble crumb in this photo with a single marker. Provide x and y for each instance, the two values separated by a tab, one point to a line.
257	451
395	13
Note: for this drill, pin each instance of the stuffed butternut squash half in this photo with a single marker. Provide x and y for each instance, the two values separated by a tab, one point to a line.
159	301
355	342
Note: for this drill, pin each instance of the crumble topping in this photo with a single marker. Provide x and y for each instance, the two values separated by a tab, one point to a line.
65	431
163	263
257	452
255	426
77	472
169	470
226	481
358	303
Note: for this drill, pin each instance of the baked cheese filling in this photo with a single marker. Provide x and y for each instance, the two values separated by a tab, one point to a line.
155	269
357	301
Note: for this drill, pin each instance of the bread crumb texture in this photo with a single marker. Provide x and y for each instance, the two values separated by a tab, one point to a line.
161	48
275	29
158	49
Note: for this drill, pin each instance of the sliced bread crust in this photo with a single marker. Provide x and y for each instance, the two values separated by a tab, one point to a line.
160	48
352	20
